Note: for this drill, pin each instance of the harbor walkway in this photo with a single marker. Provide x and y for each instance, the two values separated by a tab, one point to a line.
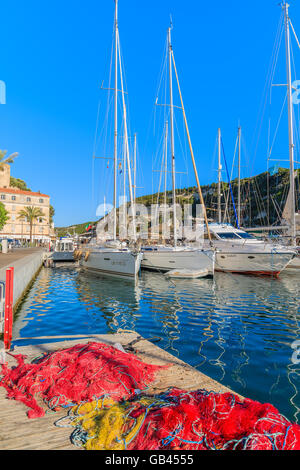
7	259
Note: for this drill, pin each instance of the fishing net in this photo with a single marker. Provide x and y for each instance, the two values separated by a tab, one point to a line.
76	375
180	420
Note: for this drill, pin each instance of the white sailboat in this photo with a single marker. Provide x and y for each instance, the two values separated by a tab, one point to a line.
164	258
289	214
115	258
236	250
239	252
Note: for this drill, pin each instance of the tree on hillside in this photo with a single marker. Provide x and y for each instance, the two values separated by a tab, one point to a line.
31	213
4	160
18	183
51	214
4	217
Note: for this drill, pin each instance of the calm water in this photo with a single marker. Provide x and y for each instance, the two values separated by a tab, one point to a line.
236	329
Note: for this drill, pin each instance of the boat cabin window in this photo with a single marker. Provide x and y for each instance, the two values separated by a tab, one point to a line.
228	236
246	236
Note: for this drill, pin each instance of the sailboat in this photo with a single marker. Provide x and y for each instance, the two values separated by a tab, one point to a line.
238	251
169	257
115	258
289	215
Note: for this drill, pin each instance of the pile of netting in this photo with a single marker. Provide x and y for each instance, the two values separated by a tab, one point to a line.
76	375
181	420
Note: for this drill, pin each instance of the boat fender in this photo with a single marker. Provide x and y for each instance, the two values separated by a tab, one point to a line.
87	255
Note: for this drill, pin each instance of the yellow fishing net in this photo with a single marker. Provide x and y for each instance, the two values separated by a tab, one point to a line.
107	424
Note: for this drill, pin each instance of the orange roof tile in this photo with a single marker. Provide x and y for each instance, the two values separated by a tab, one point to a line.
19	191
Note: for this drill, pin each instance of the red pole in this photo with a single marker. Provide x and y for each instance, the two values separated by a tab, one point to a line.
8	311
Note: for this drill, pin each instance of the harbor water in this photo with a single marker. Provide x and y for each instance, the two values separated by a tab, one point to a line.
239	330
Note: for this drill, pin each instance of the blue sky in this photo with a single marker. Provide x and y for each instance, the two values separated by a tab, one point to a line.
54	56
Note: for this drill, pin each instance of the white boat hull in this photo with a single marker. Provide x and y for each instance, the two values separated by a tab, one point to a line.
167	260
60	256
257	263
114	263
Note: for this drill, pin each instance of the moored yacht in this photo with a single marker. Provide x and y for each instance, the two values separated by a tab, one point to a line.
63	251
112	258
240	252
115	258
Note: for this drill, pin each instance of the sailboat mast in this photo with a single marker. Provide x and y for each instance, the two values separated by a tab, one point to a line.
116	121
172	136
239	176
134	169
219	177
166	164
290	121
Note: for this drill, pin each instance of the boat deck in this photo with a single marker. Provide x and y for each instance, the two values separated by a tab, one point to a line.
17	432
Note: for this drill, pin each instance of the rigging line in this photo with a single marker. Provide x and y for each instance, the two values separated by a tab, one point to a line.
226	213
236	218
297	40
278	123
269	79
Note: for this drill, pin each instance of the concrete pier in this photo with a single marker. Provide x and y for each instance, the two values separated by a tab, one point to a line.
17	432
26	263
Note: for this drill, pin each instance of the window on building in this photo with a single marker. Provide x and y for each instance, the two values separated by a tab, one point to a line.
13	208
13	198
13	217
41	201
28	199
3	196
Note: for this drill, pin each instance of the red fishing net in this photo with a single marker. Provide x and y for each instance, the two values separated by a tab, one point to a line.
202	420
75	375
208	421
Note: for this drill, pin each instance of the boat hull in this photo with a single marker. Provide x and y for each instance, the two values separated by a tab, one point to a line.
63	256
255	263
123	264
164	261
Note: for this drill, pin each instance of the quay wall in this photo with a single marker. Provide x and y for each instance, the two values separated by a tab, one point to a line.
25	270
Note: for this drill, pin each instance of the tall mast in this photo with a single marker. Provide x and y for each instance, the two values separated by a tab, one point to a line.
134	169
166	163
172	137
219	177
239	176
285	7
191	151
116	121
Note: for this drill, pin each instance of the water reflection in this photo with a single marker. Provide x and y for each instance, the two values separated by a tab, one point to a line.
236	329
118	300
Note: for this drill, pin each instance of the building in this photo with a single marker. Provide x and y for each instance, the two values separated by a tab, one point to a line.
14	201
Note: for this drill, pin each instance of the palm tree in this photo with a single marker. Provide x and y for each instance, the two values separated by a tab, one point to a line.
4	160
31	213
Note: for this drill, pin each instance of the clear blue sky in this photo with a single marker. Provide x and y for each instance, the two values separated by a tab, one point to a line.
54	56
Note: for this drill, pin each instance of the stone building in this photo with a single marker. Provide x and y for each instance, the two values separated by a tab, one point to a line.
14	201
